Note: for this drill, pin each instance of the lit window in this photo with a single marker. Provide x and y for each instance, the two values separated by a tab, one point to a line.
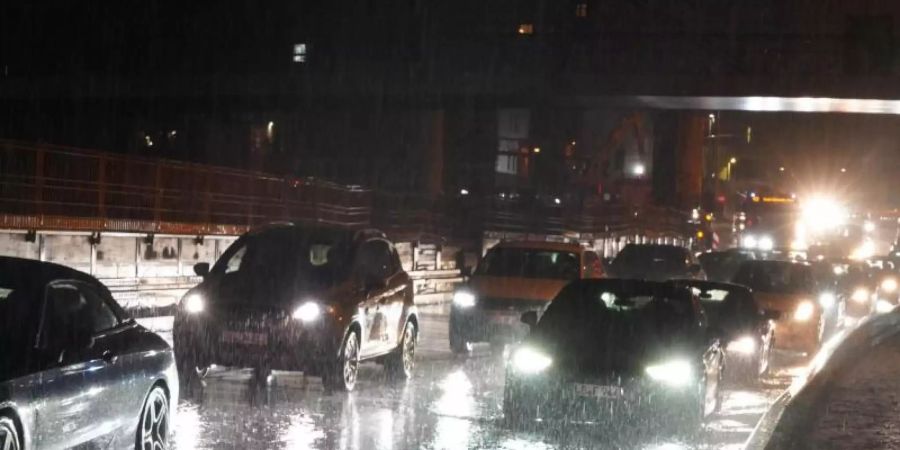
526	28
581	10
299	53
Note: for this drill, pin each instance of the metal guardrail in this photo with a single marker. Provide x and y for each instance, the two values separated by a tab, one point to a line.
50	187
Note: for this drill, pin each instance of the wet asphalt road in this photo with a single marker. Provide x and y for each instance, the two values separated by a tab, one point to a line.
451	403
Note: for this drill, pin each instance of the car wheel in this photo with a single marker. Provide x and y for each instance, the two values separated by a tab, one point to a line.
342	374
400	364
9	435
153	428
458	345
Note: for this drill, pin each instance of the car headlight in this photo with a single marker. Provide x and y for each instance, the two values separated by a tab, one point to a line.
765	243
889	285
743	345
194	303
860	295
804	311
676	373
464	299
750	241
827	300
307	312
883	306
528	360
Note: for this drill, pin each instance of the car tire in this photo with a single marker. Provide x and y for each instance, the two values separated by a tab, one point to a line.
341	373
153	427
458	344
400	364
9	434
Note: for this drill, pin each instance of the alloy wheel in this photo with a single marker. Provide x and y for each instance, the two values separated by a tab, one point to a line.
409	349
153	433
9	437
350	361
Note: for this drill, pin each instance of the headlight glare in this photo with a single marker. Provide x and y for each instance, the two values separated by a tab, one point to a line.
804	311
307	312
675	373
889	285
529	361
827	300
883	306
860	295
765	243
194	303
750	241
464	299
744	345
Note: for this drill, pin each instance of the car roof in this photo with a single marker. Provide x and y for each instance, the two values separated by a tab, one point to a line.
29	270
543	245
338	233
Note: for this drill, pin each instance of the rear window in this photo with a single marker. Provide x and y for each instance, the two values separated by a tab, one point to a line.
530	263
776	277
660	256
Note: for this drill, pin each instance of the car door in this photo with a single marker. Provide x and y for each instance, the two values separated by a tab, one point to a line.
78	387
393	304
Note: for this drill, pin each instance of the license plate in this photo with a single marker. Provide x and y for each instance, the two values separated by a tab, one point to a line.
244	337
598	391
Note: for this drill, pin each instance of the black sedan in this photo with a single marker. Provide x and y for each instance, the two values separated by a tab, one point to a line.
612	351
748	331
75	370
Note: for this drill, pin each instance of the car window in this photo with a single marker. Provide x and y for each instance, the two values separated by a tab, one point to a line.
775	277
592	266
375	260
530	263
68	307
233	263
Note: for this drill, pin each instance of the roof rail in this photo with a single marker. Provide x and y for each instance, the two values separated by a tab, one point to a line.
368	233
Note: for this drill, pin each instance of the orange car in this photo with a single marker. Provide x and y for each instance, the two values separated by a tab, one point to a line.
514	277
789	289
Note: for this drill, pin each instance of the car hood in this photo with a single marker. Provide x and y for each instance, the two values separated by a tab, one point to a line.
516	288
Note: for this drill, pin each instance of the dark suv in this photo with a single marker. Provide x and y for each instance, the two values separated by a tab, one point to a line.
287	297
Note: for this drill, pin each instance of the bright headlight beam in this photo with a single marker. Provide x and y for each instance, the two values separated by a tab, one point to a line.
744	345
883	306
860	295
750	241
529	361
675	373
804	311
827	300
307	312
889	285
765	243
464	299
194	303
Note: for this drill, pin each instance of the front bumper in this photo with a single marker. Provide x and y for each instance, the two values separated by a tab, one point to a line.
275	344
612	402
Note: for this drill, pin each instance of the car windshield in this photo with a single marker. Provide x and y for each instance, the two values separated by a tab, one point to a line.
776	277
530	263
627	316
314	259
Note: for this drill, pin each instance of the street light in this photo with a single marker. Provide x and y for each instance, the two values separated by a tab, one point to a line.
733	160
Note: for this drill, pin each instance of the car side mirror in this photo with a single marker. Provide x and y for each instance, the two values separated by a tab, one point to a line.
529	318
201	269
771	314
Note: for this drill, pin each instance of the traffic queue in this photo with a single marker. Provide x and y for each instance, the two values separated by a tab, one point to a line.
648	335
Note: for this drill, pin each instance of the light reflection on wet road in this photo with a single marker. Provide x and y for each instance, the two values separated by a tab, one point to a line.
450	404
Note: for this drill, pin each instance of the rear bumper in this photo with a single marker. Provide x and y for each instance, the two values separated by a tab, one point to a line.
475	324
800	336
288	346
